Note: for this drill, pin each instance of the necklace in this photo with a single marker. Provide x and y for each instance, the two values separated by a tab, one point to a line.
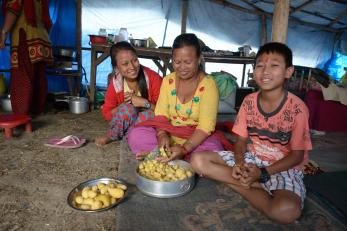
178	106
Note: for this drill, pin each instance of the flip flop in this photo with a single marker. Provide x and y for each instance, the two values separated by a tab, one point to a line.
66	142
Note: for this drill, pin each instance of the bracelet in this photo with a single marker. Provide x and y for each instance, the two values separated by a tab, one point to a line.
3	32
190	143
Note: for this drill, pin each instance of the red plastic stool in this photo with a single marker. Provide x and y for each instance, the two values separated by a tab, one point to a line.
8	122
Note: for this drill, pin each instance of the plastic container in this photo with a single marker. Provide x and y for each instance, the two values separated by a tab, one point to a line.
123	34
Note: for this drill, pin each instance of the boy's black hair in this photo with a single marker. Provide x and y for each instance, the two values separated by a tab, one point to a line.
141	79
279	48
187	39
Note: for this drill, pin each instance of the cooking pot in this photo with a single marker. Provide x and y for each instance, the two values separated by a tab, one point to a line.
65	54
166	189
78	105
139	42
6	103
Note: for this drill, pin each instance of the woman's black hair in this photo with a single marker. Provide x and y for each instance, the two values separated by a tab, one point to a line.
141	79
279	48
187	39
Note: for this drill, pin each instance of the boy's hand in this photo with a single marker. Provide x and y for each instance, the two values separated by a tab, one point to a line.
250	174
237	172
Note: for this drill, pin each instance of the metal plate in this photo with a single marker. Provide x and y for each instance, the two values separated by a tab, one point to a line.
76	191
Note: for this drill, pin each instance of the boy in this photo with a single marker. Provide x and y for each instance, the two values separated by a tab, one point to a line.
272	143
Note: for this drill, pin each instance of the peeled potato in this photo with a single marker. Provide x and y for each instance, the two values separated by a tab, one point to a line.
96	205
85	207
116	192
104	199
122	186
79	200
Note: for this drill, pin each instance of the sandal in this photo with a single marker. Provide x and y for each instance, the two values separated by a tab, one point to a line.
66	142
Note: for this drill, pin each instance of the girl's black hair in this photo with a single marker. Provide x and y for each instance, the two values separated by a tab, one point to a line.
187	39
141	79
278	48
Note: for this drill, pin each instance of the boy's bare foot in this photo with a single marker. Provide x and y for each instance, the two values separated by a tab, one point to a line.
102	140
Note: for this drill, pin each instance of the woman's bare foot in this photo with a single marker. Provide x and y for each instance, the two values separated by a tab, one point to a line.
102	140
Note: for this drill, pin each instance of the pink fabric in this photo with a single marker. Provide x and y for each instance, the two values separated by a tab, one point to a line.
142	139
162	123
330	116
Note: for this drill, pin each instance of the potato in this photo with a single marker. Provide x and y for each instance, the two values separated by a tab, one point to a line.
96	205
116	192
95	188
85	192
92	194
79	199
88	201
122	186
104	199
101	185
85	207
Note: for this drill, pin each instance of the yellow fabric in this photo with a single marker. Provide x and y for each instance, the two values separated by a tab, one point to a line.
203	107
127	88
37	38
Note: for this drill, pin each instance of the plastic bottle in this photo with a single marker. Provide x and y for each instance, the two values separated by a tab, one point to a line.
123	34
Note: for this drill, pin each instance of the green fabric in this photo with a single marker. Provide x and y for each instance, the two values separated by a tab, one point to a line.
226	84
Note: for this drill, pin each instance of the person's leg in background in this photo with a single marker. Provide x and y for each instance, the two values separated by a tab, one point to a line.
21	79
39	88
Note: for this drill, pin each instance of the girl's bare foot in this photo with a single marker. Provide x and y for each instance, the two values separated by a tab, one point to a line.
102	140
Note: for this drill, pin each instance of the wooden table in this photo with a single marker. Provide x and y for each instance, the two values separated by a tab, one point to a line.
161	57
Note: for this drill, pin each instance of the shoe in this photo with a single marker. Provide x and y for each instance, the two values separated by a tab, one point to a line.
66	142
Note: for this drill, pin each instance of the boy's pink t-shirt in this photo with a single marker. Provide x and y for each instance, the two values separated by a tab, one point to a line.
273	135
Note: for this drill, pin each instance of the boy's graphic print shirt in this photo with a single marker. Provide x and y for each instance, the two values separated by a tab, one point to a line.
273	135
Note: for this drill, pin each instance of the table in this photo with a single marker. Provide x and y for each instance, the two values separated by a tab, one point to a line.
99	52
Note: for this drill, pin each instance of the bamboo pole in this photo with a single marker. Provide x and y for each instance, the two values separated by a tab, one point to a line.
263	30
184	16
280	21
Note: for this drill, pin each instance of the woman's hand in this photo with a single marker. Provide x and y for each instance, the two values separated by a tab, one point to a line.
176	153
164	141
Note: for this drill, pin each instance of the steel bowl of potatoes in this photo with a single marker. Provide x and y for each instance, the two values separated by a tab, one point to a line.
165	180
97	195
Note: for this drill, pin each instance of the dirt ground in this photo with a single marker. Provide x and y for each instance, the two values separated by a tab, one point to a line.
35	180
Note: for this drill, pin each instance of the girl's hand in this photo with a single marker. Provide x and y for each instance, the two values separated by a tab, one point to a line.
137	101
128	96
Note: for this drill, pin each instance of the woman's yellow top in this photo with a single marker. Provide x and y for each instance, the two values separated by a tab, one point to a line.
201	111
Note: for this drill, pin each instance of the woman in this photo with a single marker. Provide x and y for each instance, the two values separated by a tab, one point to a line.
131	95
29	24
186	112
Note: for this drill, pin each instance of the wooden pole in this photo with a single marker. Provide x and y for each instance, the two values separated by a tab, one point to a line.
263	30
78	43
280	21
184	16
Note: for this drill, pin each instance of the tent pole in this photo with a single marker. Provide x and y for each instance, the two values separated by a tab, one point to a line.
184	16
263	30
280	21
78	43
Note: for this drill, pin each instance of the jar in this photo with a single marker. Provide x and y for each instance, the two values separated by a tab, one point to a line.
123	34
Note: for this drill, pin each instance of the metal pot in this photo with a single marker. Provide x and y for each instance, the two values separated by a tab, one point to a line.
65	54
6	103
163	189
139	42
78	105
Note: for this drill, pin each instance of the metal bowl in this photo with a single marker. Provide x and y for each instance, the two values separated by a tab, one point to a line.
76	191
165	189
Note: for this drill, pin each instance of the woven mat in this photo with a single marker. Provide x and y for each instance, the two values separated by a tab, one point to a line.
210	206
